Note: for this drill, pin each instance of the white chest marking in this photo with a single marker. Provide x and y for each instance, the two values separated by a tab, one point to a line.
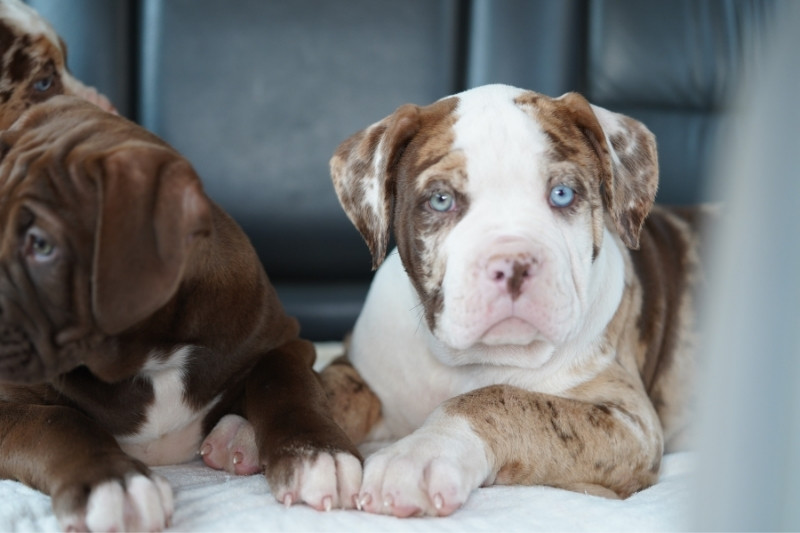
173	429
396	353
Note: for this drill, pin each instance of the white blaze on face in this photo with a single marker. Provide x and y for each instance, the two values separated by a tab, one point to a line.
510	230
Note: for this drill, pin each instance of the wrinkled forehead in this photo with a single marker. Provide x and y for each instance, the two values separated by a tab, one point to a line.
60	133
18	19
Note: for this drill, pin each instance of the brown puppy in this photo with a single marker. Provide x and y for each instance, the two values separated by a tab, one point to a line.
33	64
134	316
535	325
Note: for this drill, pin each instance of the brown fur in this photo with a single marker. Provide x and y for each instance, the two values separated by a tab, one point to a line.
354	406
669	268
628	189
577	455
33	68
605	436
390	140
146	263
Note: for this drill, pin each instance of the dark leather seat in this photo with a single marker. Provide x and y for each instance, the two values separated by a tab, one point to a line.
258	94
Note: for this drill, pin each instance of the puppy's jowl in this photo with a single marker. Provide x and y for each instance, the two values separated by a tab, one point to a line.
33	64
138	327
534	324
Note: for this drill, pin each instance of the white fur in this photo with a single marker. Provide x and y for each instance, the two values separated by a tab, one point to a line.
323	481
173	429
105	510
509	215
546	340
26	20
432	471
139	503
408	367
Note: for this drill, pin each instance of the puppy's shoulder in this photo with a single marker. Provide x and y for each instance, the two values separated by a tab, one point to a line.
671	245
42	394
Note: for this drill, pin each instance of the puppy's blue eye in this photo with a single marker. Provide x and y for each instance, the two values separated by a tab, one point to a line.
561	196
442	201
43	84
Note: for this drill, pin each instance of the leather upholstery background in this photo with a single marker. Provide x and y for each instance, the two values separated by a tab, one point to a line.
258	94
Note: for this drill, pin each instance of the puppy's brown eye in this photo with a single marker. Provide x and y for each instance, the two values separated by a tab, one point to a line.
42	248
43	84
38	246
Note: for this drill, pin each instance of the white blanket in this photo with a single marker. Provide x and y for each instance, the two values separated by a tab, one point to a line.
208	500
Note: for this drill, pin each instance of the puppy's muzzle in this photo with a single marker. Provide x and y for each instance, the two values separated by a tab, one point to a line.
19	362
511	272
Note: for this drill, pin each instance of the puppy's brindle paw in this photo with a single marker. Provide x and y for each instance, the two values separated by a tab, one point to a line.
430	472
139	503
323	480
231	446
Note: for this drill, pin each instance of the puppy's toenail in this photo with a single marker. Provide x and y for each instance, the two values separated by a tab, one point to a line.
365	500
438	502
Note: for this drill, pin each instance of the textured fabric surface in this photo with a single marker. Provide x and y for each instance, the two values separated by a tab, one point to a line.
207	500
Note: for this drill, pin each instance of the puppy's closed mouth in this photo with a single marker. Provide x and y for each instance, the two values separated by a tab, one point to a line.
511	330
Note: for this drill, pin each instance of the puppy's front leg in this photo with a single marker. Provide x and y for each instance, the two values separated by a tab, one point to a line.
506	435
94	485
355	407
305	455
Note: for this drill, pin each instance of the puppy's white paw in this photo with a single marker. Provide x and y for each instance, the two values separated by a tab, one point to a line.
322	480
430	472
141	503
231	446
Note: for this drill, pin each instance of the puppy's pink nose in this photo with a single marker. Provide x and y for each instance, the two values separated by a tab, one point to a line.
511	272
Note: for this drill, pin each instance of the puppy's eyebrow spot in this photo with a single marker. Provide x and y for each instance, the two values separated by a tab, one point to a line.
20	65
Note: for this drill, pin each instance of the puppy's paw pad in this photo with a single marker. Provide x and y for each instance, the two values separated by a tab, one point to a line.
231	446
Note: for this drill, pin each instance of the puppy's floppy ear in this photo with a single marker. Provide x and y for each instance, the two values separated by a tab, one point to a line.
627	150
363	172
151	210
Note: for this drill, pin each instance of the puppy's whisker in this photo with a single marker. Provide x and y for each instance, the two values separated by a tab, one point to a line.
420	311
